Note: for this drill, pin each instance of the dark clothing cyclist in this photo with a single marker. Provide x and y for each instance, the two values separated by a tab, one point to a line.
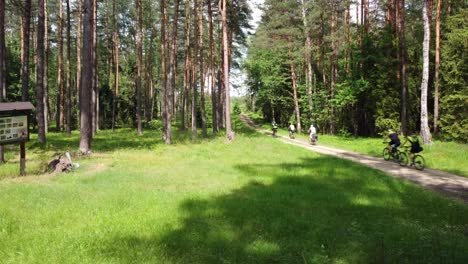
394	140
415	145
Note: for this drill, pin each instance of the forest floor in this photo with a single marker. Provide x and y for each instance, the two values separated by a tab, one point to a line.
443	182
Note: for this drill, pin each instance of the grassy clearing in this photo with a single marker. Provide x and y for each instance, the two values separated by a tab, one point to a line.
253	201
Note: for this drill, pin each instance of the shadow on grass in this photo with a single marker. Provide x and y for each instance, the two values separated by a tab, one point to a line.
312	211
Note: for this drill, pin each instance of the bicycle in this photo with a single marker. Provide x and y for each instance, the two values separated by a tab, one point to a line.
313	139
395	155
417	161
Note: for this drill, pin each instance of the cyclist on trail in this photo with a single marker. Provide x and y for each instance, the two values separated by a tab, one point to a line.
415	145
291	130
312	133
274	128
394	140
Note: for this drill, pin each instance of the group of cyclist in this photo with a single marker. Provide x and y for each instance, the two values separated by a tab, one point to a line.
412	139
395	142
292	129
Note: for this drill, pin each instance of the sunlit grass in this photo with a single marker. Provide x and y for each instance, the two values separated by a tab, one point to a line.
256	200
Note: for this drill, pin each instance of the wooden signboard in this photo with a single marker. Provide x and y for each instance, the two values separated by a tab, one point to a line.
14	127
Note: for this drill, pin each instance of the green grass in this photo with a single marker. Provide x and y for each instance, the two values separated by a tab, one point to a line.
255	200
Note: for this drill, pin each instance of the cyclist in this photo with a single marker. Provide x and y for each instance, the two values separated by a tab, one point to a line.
291	130
415	145
312	134
274	128
394	140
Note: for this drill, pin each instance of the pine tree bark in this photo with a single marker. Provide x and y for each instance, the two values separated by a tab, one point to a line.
163	69
60	86
425	132
437	66
172	69
40	73
2	63
404	88
95	65
333	67
202	72
86	106
229	133
79	30
116	65
148	77
212	71
139	63
25	53
188	66
46	68
68	88
294	86
195	70
307	49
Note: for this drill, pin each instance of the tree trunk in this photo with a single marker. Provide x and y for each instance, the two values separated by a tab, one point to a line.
40	73
229	133
95	92
116	65
366	16
25	54
163	68
322	49
437	66
195	70
333	67
2	63
86	79
61	92
148	77
171	79
294	86
202	72
46	68
349	54
425	132
139	63
79	30
307	58
188	66
212	71
69	104
404	88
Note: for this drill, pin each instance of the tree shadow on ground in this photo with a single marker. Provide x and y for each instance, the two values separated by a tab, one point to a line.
311	211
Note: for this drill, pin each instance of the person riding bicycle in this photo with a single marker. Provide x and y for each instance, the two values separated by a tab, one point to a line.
415	145
394	140
274	128
312	133
291	130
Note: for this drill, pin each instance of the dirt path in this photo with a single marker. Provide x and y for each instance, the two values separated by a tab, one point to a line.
446	183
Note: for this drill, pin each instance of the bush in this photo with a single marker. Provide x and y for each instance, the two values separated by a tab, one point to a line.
237	109
155	124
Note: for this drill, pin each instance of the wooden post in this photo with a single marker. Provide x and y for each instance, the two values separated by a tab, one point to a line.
22	159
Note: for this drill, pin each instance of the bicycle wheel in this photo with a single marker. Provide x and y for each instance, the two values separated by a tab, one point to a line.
386	154
396	156
403	159
419	162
